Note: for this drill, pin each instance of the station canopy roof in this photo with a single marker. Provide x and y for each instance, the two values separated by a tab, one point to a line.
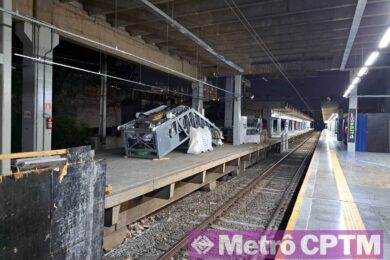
280	108
305	36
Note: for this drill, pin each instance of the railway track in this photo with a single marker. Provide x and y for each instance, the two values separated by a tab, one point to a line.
263	203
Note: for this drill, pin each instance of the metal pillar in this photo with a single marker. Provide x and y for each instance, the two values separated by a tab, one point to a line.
197	96
103	102
5	83
279	126
37	86
352	120
237	110
229	102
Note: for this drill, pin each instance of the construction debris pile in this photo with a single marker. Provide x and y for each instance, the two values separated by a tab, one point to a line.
157	132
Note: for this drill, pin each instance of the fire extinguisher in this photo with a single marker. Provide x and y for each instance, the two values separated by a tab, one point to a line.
49	122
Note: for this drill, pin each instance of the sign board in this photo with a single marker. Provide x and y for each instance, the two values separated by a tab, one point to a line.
352	125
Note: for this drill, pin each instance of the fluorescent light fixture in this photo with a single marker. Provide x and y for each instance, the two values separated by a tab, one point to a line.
356	81
385	39
346	93
351	87
362	72
372	58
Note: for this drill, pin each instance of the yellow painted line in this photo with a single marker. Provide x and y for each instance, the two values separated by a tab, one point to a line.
351	215
350	212
352	218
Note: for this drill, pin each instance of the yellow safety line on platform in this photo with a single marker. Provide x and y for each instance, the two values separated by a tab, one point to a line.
350	212
353	220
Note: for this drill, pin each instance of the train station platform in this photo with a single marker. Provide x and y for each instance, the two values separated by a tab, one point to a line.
344	191
141	186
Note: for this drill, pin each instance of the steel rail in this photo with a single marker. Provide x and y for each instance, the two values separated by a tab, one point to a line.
284	201
178	246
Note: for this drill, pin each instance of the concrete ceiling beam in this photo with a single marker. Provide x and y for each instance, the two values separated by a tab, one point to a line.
360	8
176	25
75	20
245	40
218	10
104	7
273	17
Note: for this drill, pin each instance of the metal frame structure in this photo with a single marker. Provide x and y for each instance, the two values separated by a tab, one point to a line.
146	139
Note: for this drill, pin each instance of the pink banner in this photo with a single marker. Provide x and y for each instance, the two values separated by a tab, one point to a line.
308	244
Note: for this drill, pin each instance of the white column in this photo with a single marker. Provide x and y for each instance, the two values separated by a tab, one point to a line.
197	96
5	83
279	126
37	86
229	102
237	110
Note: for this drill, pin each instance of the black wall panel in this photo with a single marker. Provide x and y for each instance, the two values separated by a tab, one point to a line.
42	217
378	133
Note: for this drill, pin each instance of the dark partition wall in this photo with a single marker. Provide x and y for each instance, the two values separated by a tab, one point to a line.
54	213
378	133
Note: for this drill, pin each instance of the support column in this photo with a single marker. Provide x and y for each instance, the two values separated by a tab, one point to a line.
229	102
5	84
37	86
103	102
197	96
237	110
279	126
267	115
352	120
271	126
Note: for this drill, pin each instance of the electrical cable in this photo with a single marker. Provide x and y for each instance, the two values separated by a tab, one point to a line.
48	62
262	45
108	47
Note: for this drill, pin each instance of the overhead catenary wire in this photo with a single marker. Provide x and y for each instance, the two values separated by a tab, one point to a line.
247	25
48	62
106	46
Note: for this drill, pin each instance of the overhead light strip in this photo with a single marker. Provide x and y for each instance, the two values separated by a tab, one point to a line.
384	43
372	58
109	47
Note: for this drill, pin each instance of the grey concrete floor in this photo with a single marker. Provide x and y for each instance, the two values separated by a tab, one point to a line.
368	178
